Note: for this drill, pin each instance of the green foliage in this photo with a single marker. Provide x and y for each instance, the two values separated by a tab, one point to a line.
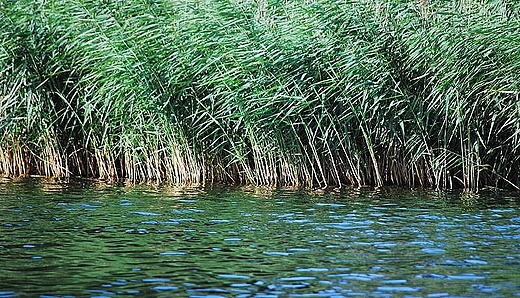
287	93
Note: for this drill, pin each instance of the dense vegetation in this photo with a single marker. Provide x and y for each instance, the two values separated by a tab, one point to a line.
308	93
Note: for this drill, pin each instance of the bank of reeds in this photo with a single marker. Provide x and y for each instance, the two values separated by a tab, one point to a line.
308	93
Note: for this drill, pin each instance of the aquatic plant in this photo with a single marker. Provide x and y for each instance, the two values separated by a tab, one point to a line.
307	93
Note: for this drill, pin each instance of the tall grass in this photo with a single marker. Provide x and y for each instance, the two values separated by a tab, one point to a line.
308	93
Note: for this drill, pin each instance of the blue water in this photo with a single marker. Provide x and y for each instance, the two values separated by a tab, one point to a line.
87	240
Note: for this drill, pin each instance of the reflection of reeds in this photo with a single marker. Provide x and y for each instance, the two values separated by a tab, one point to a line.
294	93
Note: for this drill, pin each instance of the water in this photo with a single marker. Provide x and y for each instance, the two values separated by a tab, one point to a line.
70	240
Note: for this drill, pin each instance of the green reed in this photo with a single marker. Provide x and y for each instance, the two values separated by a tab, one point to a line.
295	93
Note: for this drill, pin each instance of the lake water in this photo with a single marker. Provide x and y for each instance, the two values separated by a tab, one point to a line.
88	240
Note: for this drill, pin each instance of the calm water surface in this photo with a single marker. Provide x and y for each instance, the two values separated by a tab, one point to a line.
70	240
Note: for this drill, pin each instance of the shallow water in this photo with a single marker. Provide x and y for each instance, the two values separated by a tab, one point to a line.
76	240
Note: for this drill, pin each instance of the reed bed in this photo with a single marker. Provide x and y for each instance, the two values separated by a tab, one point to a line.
304	93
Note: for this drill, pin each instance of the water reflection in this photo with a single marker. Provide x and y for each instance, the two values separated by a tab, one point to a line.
82	241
